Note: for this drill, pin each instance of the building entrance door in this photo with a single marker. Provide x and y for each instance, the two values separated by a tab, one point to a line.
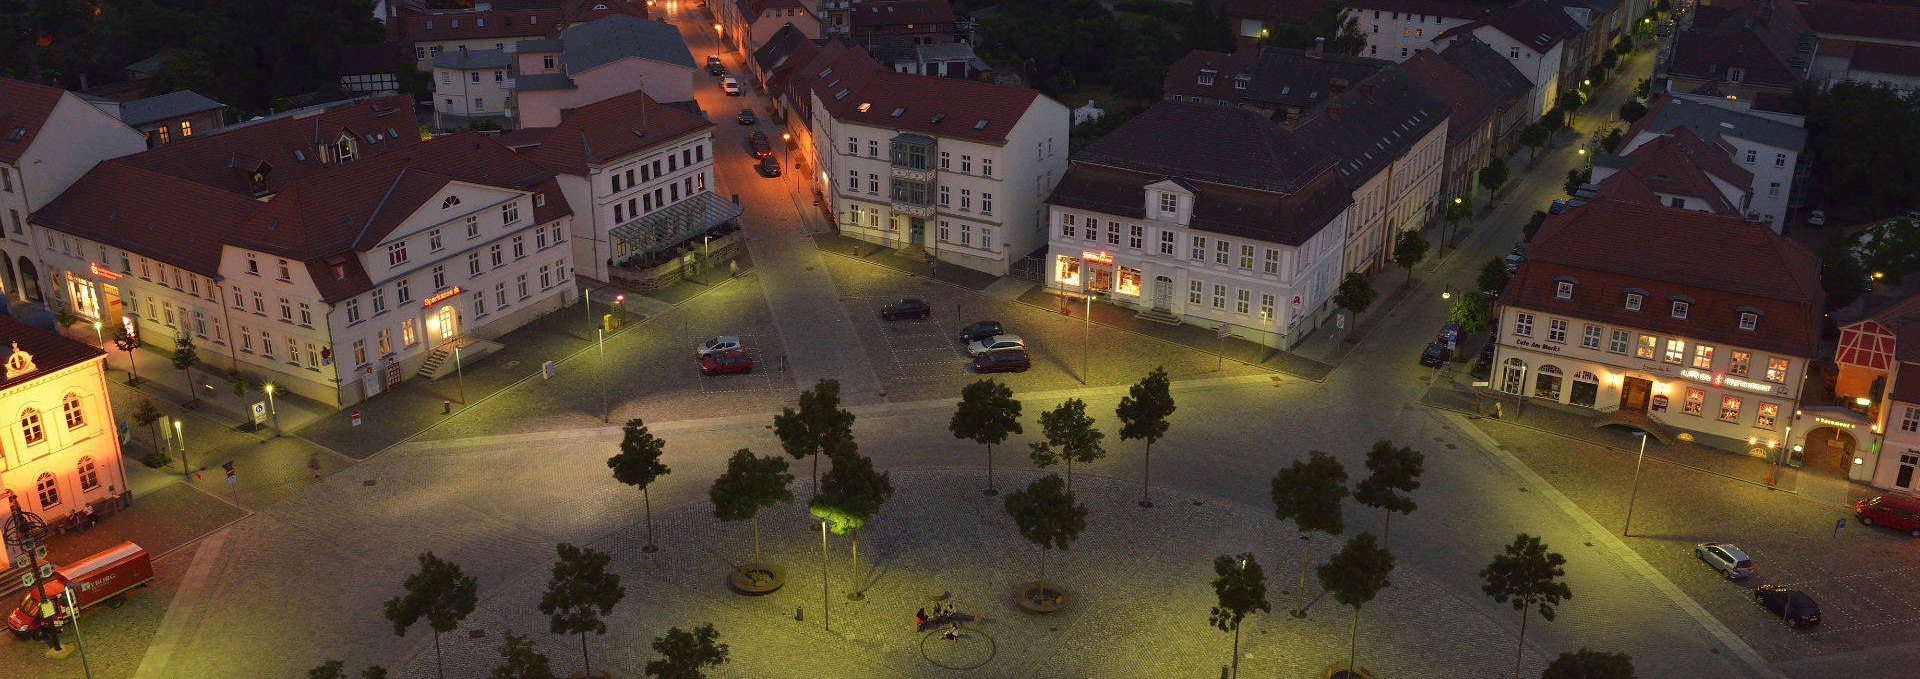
917	231
449	323
1162	293
1633	394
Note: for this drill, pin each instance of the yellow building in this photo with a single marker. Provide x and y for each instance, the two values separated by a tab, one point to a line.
59	448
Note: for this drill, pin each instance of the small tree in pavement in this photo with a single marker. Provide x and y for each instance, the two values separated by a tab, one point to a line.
1493	276
1071	437
1393	471
1534	136
1470	312
816	428
1494	176
580	595
638	464
1047	516
1355	293
518	660
127	343
1457	209
850	493
1408	249
184	358
1354	576
438	593
1308	492
1241	587
1586	664
1534	222
683	653
749	484
1529	576
987	415
146	415
1143	414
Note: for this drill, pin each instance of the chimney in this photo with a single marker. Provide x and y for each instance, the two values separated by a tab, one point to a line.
1319	48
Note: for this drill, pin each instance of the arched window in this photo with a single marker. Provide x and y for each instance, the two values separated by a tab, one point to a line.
31	427
1516	371
70	407
1547	383
48	490
1586	388
89	475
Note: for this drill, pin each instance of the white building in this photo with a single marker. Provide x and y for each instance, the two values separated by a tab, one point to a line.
59	449
1536	38
1618	308
1878	396
1396	29
48	138
1205	215
471	85
1768	146
957	167
328	253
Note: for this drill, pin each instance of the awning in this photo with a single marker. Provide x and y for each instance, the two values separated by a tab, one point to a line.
677	222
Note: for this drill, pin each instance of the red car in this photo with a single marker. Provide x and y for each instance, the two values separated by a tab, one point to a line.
726	363
1002	361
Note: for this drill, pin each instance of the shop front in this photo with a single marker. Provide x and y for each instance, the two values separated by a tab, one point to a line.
1726	411
1097	271
95	293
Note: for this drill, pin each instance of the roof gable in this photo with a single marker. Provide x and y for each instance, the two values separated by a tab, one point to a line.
24	109
609	130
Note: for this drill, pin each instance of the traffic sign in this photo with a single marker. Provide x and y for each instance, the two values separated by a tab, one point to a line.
1221	331
260	413
231	475
356	418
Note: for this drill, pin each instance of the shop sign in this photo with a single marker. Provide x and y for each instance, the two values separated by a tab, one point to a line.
103	272
1537	345
440	296
1724	380
1659	403
1097	257
1833	423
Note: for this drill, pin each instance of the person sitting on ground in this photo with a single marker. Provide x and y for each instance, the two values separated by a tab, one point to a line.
950	612
920	618
953	632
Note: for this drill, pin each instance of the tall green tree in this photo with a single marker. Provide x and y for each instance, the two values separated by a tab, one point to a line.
1841	274
1874	129
146	415
1143	414
184	69
518	660
440	594
987	414
1493	276
1047	516
580	595
1534	136
1408	249
683	653
1332	21
1207	28
1308	493
1528	575
818	427
1071	437
1460	208
127	343
1532	227
749	484
1470	312
1241	588
1891	249
638	464
184	358
1632	110
1355	293
1392	472
1587	664
1494	176
850	494
1354	576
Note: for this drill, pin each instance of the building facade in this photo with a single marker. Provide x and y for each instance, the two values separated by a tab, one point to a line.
48	139
1396	29
60	450
1766	146
598	60
472	85
1615	310
1875	416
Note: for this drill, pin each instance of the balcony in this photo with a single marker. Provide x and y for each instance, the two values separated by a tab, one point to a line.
922	211
911	174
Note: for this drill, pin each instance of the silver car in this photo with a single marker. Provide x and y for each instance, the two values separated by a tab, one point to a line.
717	345
1726	558
995	343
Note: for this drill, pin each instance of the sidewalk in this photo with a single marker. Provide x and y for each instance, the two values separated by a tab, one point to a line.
1233	348
898	260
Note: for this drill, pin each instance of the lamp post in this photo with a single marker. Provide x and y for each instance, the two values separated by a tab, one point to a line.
73	616
100	335
1635	494
1086	337
600	375
272	411
826	618
460	376
180	435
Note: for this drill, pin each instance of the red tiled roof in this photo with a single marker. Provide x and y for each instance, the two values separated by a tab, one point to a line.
51	352
588	10
1891	59
523	139
1533	23
899	12
24	107
1442	8
149	211
1762	38
607	130
1724	265
288	145
1906	386
1681	164
1182	77
1471	103
1869	20
799	89
862	91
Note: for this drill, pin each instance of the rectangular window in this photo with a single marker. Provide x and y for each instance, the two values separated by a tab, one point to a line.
946	160
1617	341
945	235
433	241
473	264
500	294
546	278
1633	301
519	247
986	167
1067	228
1910	420
1749	320
246	339
306	315
1199	253
1703	357
353	311
873	187
1219	297
1563	290
1676	351
496	256
986	203
408	336
359	352
1765	416
379	301
966	234
397	253
1779	160
1194	290
402	292
853	146
1590	337
986	238
1523	324
1752	155
1696	401
286	273
439	276
946	198
266	344
479	304
1241	300
1169	203
1166	243
1135	235
1272	264
510	213
1777	370
293	351
473	227
1266	306
873	148
1221	251
520	285
1680	309
1557	330
286	308
966	164
1730	408
1246	257
1737	363
1646	348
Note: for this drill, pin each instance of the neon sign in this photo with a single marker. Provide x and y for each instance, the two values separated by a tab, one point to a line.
440	296
1833	423
1097	257
1723	380
103	272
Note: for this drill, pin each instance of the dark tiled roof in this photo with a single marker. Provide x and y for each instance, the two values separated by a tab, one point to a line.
1498	77
499	24
1276	77
799	88
1867	20
860	90
177	104
1890	59
149	211
51	352
1608	246
1212	144
778	46
24	108
1287	218
878	13
523	139
611	129
1537	24
1471	104
287	144
1683	165
1906	386
1762	37
1373	123
1710	122
606	40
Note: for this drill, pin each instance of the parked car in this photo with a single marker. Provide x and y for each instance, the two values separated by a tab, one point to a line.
979	330
1435	355
1512	261
1557	207
714	67
767	167
747	117
1817	218
1002	361
995	343
1899	513
758	141
726	363
1726	558
906	308
105	577
1793	606
717	345
1519	248
730	86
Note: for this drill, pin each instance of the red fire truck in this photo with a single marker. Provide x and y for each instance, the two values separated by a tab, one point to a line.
104	577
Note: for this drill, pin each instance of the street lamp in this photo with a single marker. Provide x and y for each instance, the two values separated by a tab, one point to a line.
271	410
1635	494
826	618
1086	336
180	435
100	335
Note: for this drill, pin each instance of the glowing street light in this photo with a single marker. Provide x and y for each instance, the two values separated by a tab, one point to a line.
271	410
100	335
186	468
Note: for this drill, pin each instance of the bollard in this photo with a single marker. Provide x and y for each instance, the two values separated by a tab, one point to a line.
799	613
446	407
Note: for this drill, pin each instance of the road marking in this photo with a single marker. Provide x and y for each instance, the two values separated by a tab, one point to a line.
186	608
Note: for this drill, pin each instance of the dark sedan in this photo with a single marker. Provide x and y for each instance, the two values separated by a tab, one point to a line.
1435	355
1002	361
979	330
768	167
726	363
758	141
906	308
747	117
1793	606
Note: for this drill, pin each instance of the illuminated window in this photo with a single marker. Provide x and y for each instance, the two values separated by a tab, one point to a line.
31	427
1737	362
1645	350
1067	228
70	409
1703	357
1266	306
186	128
1129	282
1067	270
1777	370
1547	383
1730	408
48	490
1767	413
1676	350
1696	401
89	474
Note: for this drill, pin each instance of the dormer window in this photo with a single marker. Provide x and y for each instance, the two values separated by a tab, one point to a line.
1749	320
1241	81
1206	76
1680	309
1169	203
1563	290
257	182
1633	301
1736	74
343	149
